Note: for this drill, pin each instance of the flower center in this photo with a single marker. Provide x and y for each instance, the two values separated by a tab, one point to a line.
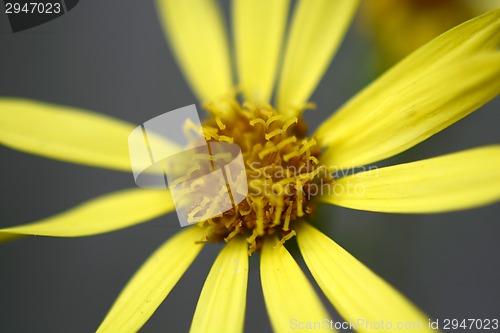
282	169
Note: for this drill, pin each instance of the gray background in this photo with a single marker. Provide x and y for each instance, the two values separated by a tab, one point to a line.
111	57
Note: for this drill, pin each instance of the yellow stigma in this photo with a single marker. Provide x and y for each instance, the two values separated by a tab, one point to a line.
282	170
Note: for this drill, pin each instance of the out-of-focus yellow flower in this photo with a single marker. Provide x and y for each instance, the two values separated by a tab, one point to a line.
398	27
430	90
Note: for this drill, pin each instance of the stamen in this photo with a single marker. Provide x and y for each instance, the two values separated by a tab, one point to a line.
219	123
189	127
178	181
286	225
249	106
273	134
306	146
285	142
285	238
268	151
289	123
259	209
257	121
232	234
210	134
290	155
277	213
224	138
273	119
313	159
298	187
252	242
192	169
268	113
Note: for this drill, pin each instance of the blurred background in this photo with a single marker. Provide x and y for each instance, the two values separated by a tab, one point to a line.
111	57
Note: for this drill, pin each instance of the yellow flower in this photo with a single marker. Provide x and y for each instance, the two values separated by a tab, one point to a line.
396	28
434	87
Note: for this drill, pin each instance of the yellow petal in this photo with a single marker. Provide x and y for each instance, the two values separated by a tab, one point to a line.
356	292
221	306
290	298
152	283
316	32
64	133
451	182
197	35
418	111
481	34
103	214
258	33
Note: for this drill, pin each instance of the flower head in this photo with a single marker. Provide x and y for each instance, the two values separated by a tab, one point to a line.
282	169
431	89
